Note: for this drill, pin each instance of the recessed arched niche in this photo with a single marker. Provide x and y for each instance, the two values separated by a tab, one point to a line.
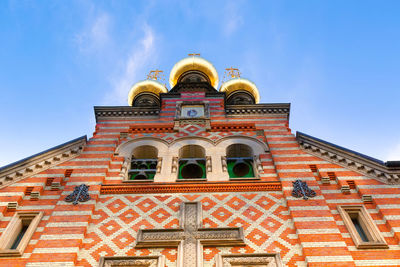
145	152
146	94
239	150
193	69
240	161
192	162
194	76
240	91
144	163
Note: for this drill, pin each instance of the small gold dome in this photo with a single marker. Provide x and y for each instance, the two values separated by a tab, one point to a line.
240	84
193	63
149	86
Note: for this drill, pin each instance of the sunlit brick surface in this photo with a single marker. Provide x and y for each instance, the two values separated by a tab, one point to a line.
263	216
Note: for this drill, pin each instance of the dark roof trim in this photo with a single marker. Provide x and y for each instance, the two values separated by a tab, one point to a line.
82	138
113	112
300	134
258	109
387	172
42	161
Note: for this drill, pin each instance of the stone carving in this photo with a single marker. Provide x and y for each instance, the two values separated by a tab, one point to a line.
301	189
174	167
142	261
125	167
159	164
208	164
190	237
241	260
224	164
257	161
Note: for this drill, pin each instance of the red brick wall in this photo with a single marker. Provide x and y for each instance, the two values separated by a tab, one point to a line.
317	233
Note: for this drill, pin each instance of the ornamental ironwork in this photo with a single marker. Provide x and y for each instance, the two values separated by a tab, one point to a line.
156	75
80	194
301	189
231	73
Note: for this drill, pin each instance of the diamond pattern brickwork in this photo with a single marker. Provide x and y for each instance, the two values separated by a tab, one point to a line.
263	216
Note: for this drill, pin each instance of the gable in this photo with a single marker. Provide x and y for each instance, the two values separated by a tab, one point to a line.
42	161
386	172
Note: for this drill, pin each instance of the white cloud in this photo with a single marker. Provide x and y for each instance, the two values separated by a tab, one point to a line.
232	18
96	35
394	152
140	57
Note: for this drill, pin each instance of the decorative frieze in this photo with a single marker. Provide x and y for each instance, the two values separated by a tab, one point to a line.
257	109
186	187
255	259
149	261
118	112
224	127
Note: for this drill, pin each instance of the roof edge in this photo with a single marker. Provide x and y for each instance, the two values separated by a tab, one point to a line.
386	172
41	161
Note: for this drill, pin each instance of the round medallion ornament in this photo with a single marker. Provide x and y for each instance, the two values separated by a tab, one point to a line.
192	113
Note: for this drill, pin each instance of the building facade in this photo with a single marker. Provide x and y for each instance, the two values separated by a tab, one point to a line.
199	176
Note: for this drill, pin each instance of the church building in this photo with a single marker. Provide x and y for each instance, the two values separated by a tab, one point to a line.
195	174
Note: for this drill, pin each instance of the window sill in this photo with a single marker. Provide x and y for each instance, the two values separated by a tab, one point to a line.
372	245
138	181
192	180
10	253
245	179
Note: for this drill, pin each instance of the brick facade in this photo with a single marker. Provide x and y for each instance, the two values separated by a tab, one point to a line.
304	232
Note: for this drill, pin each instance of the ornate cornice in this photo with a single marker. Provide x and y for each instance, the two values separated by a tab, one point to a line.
189	187
386	172
125	111
257	109
40	162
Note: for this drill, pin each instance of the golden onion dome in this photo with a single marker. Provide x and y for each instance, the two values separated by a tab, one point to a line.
237	84
146	86
193	63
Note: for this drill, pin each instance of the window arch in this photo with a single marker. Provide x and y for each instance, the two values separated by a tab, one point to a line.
144	163
240	161
192	162
137	149
145	152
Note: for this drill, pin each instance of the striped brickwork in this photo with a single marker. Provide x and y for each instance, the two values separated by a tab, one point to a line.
324	238
305	232
59	235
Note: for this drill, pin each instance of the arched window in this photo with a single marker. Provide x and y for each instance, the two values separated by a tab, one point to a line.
143	163
192	162
240	163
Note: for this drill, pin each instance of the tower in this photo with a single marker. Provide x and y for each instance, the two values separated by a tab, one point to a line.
199	174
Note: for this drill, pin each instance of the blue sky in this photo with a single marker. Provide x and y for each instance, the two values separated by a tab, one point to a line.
336	62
